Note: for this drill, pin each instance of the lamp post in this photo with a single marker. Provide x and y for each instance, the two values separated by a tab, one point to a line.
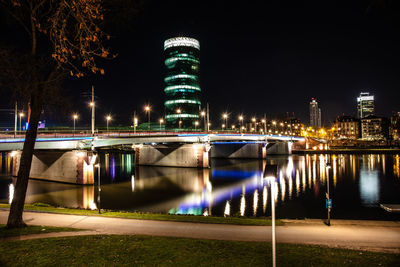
135	122
92	105
265	125
21	114
75	117
148	109
195	125
98	187
241	123
225	116
161	122
328	200
108	118
270	174
203	114
254	120
179	111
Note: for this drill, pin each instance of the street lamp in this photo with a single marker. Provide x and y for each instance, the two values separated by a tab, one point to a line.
21	114
179	111
75	117
241	122
195	125
255	125
328	200
270	174
265	125
225	116
161	122
223	126
148	109
203	114
108	118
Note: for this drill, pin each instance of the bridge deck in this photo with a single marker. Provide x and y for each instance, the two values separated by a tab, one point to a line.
85	142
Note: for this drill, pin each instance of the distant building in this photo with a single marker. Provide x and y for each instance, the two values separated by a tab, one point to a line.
182	82
395	126
374	128
315	114
347	127
365	105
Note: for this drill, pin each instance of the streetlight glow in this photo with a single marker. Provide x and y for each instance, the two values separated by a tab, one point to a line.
108	118
147	108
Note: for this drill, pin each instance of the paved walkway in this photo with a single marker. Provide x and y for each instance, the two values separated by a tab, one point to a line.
363	235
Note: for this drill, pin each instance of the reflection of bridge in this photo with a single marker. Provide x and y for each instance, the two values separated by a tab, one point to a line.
70	159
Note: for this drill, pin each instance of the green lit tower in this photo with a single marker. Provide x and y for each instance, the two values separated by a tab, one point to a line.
182	82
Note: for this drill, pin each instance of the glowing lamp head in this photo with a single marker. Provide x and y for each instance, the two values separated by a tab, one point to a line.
196	123
108	118
179	111
161	120
75	116
147	108
240	117
91	104
225	115
21	114
203	113
253	119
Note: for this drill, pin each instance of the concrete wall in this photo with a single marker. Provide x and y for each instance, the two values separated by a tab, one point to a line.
280	148
238	150
173	155
61	166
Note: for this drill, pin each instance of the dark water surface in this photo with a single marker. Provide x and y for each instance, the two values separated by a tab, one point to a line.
358	184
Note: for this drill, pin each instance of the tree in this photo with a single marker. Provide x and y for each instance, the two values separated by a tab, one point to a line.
63	37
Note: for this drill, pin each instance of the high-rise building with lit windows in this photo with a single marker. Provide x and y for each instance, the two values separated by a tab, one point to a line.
315	114
182	82
365	105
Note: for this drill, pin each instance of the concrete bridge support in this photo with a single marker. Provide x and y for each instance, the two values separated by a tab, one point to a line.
173	155
239	150
279	148
61	166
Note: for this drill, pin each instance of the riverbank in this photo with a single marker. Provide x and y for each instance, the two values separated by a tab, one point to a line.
349	151
39	207
357	235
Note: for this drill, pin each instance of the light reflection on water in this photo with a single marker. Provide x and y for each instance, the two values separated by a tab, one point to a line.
359	183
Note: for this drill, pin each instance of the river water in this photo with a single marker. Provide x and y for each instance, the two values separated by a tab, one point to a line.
358	185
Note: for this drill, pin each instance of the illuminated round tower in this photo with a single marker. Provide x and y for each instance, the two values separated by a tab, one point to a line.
182	82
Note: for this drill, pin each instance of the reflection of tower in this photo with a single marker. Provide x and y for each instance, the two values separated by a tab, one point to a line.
182	82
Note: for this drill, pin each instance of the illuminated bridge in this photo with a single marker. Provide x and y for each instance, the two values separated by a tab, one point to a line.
72	159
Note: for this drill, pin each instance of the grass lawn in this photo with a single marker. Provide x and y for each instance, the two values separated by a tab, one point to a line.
150	216
115	250
29	230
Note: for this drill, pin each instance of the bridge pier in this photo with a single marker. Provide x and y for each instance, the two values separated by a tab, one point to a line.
239	150
61	166
279	148
173	155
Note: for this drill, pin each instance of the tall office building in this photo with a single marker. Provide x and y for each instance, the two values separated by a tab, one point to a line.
365	105
315	113
182	82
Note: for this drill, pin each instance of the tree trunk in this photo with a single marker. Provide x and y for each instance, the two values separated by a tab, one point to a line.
17	206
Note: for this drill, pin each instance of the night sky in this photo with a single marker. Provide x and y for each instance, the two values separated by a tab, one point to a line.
256	58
